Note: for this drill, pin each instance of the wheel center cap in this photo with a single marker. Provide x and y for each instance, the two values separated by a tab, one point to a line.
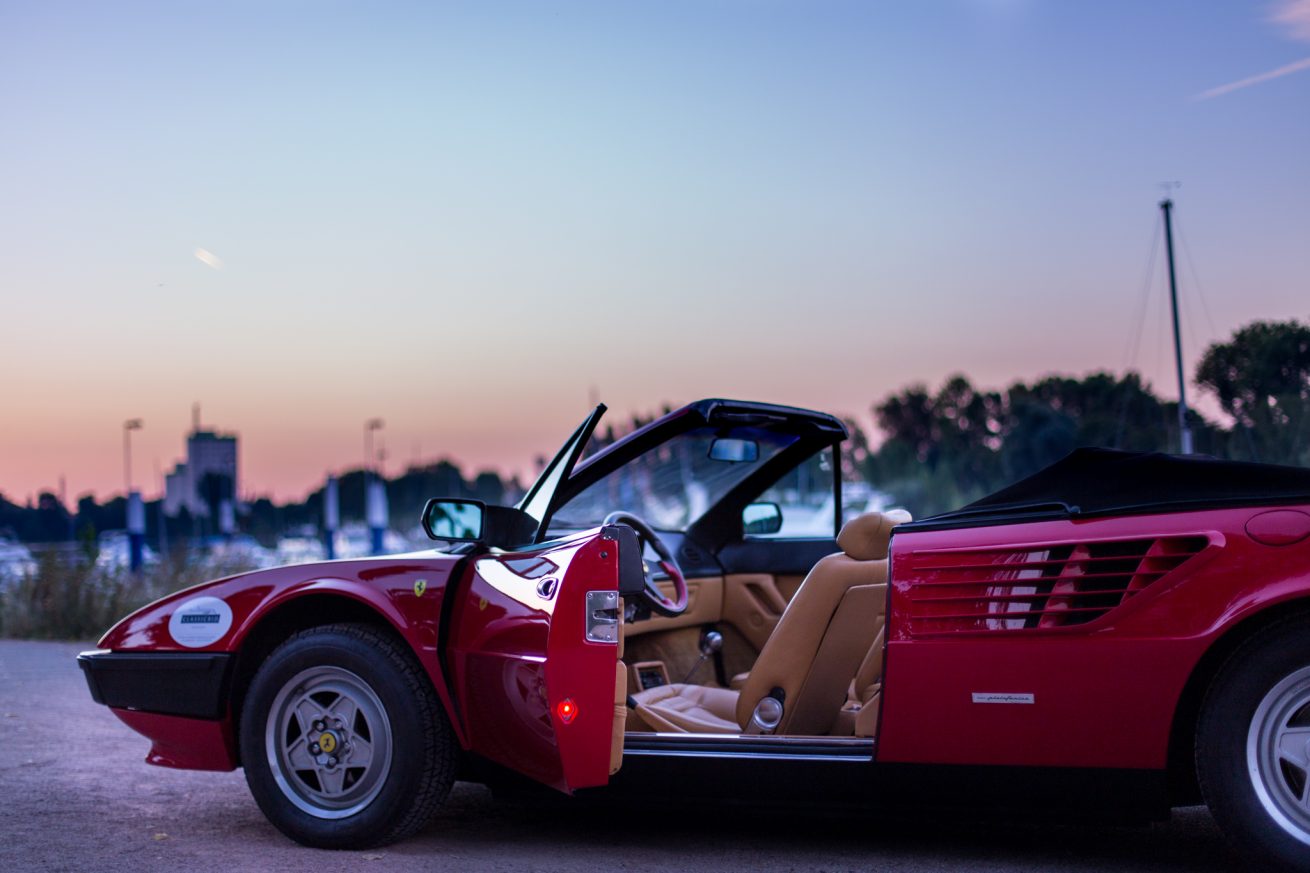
328	741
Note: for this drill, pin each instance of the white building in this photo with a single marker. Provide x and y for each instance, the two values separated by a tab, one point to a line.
206	452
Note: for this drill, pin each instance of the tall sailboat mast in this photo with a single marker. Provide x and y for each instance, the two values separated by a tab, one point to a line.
1184	429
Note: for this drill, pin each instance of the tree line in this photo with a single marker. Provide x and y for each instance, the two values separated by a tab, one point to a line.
941	449
936	450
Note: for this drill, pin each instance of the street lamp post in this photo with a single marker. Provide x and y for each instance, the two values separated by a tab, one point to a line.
136	509
375	492
128	426
369	426
331	517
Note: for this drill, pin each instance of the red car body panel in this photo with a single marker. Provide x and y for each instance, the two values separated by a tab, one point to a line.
385	585
518	651
184	743
501	636
1102	693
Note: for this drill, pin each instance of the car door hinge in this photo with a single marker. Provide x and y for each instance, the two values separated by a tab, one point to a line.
603	616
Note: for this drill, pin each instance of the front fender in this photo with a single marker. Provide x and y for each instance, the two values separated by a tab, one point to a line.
220	617
405	590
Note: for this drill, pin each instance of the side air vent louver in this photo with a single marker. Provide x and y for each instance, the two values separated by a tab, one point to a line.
1044	586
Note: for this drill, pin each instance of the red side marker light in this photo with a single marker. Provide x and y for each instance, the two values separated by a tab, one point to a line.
567	710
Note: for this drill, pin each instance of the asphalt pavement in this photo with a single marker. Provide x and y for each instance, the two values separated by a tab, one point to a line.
79	797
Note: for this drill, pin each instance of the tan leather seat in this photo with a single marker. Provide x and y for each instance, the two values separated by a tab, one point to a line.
823	636
695	709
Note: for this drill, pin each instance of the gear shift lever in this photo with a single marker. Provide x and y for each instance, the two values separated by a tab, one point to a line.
710	643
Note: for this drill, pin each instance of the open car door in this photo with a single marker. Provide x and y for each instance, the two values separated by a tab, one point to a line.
537	644
537	648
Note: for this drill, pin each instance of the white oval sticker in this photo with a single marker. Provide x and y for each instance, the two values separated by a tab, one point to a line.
199	622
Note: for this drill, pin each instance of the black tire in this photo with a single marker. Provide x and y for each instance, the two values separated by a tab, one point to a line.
398	731
1265	684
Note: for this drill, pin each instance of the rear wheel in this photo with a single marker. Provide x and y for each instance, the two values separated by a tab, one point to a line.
1253	746
344	742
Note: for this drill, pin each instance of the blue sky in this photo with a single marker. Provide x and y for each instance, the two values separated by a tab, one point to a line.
467	218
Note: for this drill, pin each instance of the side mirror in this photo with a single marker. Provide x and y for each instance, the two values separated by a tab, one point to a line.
761	518
734	451
472	521
456	521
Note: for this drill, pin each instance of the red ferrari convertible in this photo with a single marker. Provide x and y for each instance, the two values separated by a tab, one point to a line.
1117	635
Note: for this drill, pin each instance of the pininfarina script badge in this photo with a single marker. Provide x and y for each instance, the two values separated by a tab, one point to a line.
1000	697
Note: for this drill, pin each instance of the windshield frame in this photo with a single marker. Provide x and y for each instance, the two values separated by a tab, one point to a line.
674	483
721	522
562	464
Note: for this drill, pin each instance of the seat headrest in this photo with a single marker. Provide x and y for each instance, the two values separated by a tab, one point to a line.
865	537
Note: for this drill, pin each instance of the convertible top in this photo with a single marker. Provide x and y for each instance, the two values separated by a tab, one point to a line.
1093	481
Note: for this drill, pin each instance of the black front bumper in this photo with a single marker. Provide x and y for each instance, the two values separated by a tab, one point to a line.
190	684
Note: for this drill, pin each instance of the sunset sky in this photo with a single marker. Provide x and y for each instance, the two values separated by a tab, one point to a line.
468	219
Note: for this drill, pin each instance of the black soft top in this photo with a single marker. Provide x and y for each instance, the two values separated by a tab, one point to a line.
1107	481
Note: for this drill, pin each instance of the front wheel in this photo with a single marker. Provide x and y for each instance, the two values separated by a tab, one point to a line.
344	742
1253	746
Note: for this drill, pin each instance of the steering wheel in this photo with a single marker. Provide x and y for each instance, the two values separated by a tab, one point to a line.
652	594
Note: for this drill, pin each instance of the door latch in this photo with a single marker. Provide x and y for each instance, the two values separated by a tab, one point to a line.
602	616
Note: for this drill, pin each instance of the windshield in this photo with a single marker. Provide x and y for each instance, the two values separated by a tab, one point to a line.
674	483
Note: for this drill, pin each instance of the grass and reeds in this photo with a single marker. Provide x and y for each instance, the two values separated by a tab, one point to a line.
71	598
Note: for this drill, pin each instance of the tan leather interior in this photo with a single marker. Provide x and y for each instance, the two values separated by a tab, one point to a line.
859	618
788	659
675	640
637	724
635	671
620	725
824	636
744	607
679	651
753	604
623	638
704	606
865	538
864	695
789	584
696	709
750	602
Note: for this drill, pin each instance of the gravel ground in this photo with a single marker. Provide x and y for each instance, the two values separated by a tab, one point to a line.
79	798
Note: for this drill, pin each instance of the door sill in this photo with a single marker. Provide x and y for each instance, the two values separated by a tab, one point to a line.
856	749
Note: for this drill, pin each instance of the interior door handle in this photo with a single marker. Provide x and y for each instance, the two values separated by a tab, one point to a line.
769	597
